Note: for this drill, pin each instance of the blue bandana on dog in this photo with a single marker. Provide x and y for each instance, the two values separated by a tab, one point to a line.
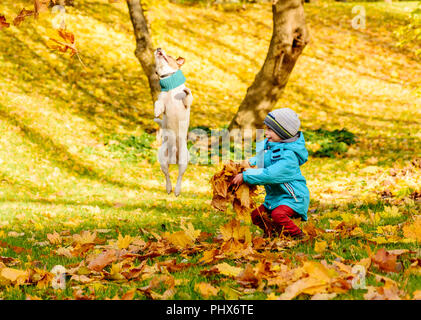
173	81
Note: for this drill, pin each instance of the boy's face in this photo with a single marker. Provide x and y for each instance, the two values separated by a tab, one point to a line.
271	135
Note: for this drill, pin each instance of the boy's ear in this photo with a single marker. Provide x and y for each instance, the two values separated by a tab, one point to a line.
180	61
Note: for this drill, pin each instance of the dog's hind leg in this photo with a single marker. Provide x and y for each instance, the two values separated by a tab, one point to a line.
163	159
183	159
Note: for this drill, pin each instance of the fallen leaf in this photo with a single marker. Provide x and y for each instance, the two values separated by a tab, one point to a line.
205	289
3	23
124	242
22	15
386	261
102	260
228	270
54	238
320	246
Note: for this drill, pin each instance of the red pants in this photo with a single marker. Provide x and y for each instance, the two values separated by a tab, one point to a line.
280	221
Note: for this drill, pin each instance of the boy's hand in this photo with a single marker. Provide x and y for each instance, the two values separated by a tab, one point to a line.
238	179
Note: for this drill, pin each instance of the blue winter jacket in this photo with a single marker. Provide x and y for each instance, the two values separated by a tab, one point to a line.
279	171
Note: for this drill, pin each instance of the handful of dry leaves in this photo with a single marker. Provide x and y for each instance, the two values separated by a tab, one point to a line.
224	191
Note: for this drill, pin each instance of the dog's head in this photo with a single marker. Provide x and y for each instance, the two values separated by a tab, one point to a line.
165	64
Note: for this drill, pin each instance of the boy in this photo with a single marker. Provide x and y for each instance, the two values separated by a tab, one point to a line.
278	159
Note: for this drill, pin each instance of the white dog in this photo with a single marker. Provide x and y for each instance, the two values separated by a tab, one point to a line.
173	103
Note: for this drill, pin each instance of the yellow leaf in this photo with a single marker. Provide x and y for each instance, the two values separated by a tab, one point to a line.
228	270
65	252
300	286
15	276
124	242
115	272
84	237
234	230
413	231
319	271
191	232
320	246
179	239
54	238
205	289
243	194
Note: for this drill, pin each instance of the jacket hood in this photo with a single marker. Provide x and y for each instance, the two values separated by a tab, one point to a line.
298	147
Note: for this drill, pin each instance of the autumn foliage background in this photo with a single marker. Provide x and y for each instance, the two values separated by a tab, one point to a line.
80	185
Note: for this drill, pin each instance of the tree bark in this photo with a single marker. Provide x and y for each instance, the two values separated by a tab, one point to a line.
290	36
144	47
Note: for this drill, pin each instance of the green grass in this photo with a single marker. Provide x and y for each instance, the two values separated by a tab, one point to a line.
59	171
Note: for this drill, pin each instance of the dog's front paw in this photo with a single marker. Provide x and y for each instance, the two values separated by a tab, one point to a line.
188	99
159	108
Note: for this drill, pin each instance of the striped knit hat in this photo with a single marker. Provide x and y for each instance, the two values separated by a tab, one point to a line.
284	122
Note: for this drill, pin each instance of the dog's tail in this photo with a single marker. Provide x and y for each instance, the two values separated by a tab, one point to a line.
158	121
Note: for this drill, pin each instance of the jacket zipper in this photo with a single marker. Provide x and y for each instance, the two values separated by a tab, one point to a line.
291	191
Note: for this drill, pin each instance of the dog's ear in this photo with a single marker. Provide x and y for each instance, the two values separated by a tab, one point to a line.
180	61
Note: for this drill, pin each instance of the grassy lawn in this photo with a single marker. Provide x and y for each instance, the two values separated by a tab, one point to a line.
67	167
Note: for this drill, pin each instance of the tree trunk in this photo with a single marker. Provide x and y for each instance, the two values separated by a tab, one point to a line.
289	37
144	47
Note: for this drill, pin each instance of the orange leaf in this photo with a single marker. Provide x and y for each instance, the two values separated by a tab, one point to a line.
205	289
386	261
102	260
22	15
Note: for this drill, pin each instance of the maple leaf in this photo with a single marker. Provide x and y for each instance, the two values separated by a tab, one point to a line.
124	242
183	238
65	252
22	15
102	260
225	192
248	277
41	277
386	261
209	256
67	42
320	246
15	276
179	239
85	237
155	282
129	295
54	238
234	230
243	194
389	291
205	289
3	23
228	270
190	231
412	231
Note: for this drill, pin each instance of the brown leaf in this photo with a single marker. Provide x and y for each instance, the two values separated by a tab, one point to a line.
3	23
386	261
248	277
22	15
129	295
102	260
225	192
389	291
